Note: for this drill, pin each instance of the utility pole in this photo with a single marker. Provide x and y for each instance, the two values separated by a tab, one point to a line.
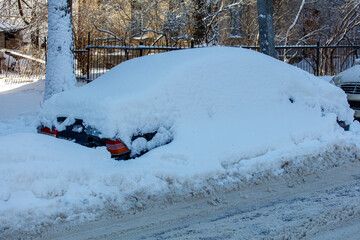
266	27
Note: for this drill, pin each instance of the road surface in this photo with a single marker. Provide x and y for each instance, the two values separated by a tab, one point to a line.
324	205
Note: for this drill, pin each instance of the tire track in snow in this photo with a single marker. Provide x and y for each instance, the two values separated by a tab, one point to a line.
301	207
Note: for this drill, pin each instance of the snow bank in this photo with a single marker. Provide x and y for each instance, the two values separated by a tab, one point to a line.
53	180
19	106
235	117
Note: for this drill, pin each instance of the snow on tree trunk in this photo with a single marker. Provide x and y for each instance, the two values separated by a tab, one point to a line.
60	62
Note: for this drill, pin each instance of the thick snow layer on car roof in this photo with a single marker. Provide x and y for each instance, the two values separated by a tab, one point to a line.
349	75
232	96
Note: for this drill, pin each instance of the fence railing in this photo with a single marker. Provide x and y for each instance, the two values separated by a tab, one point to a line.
95	60
16	67
316	59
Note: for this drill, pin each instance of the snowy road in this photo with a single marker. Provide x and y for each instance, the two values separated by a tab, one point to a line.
319	206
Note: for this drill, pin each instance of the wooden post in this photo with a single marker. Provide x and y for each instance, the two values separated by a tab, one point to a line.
141	50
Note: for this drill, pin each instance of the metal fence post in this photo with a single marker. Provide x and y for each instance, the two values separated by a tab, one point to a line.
317	58
312	65
355	53
45	46
141	50
88	60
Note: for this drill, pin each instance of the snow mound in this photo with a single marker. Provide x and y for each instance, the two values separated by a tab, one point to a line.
234	116
212	100
53	180
349	75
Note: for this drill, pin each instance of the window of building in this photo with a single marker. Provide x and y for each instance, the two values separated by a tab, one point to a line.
9	36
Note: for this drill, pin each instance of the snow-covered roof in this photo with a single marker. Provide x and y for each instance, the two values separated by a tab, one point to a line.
5	27
10	19
11	27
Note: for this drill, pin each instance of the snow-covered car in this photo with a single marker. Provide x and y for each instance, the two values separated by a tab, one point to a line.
349	81
170	101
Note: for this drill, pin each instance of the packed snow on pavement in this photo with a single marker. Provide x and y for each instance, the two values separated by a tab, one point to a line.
323	205
235	117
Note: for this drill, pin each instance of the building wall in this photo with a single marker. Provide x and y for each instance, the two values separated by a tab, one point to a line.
11	40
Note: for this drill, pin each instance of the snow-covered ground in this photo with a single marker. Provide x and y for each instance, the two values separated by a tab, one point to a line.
288	119
324	205
19	106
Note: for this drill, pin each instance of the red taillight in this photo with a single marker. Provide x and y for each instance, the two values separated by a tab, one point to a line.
116	147
48	131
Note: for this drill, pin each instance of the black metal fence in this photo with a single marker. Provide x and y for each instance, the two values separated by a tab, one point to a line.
98	58
318	60
104	54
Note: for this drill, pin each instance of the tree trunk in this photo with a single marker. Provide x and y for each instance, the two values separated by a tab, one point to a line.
60	61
